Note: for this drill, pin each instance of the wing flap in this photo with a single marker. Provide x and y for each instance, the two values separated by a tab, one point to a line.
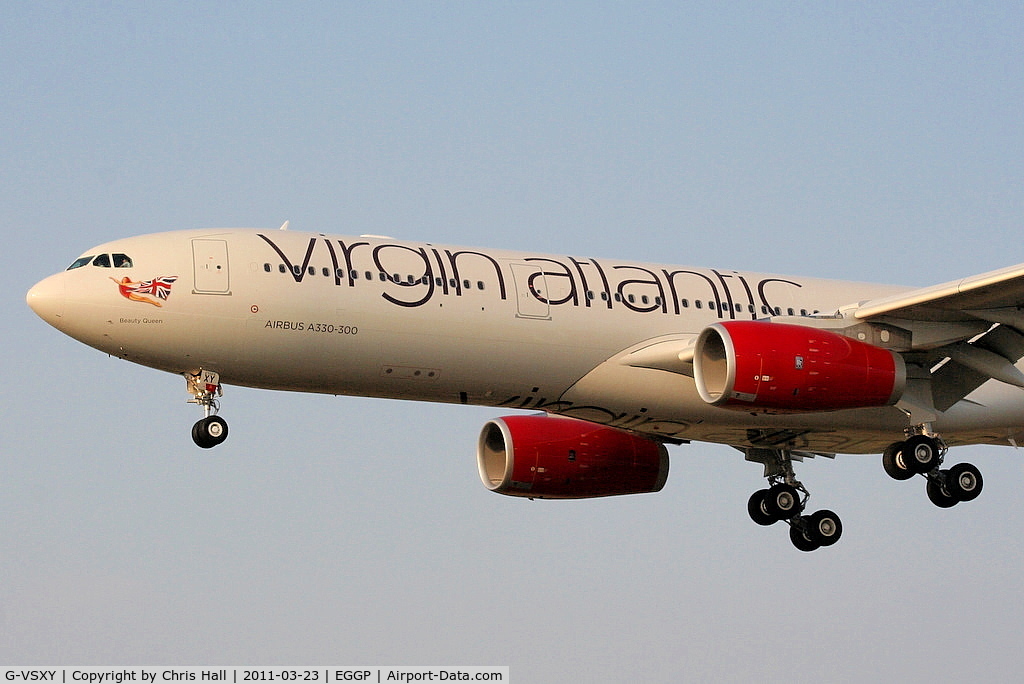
971	365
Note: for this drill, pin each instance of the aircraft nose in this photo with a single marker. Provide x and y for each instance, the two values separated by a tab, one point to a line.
46	298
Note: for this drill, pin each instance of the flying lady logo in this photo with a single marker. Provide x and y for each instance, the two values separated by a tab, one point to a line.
137	291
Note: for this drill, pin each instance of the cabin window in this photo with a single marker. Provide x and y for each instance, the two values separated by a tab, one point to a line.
789	311
480	285
326	271
604	296
266	267
699	304
80	261
685	303
282	269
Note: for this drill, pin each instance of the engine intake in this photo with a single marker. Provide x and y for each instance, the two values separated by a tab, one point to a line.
748	365
548	457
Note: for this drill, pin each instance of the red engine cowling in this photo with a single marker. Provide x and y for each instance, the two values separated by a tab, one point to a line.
779	367
548	457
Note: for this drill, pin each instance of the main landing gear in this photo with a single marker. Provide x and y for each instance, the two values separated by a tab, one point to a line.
205	388
785	500
922	454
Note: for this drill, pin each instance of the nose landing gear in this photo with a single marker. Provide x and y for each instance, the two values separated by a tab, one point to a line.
205	388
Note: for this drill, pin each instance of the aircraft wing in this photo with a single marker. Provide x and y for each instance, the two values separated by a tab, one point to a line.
996	296
980	300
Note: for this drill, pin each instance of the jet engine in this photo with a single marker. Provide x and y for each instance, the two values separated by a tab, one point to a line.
758	365
549	457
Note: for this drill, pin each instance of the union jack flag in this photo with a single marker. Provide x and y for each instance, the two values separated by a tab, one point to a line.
161	287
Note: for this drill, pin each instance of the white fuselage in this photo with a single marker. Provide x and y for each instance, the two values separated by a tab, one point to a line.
374	316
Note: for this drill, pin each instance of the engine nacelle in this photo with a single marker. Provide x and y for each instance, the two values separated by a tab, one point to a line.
758	365
548	457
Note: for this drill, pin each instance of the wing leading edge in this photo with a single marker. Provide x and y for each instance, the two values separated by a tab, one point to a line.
995	297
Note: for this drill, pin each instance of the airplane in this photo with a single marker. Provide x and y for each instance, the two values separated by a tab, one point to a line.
613	360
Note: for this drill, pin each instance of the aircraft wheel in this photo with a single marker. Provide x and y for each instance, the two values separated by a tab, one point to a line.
964	482
756	510
209	432
920	454
892	463
824	527
800	540
782	502
938	496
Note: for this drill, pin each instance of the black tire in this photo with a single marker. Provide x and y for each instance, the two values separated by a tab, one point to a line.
964	482
824	528
800	540
782	502
755	508
892	463
920	454
939	496
209	432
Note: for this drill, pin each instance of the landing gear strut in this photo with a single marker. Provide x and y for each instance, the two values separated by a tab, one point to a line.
205	388
785	500
922	453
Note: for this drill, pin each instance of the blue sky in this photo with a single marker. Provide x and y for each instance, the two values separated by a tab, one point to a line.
854	140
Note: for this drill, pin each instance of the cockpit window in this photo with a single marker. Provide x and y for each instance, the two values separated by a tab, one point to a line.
80	261
103	261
